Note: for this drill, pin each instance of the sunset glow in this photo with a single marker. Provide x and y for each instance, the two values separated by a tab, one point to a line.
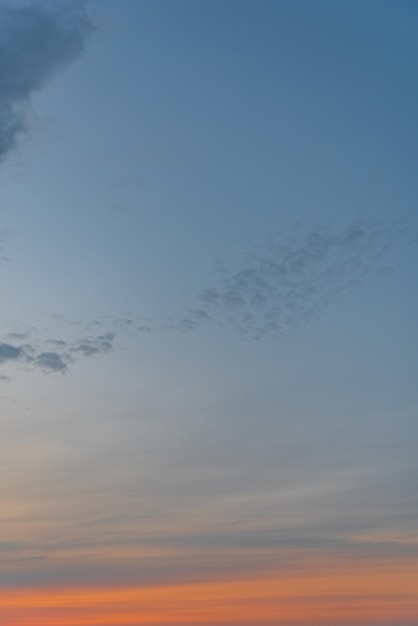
338	595
208	322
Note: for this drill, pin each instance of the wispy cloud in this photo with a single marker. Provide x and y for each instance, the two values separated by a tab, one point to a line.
289	278
88	346
35	44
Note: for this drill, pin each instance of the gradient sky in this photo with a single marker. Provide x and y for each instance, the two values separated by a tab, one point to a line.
208	364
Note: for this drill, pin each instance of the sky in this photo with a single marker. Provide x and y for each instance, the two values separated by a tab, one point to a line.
208	364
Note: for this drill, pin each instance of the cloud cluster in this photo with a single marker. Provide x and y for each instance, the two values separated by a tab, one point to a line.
291	277
34	45
53	355
33	349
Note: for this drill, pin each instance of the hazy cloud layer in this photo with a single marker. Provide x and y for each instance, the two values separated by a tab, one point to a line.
34	45
291	277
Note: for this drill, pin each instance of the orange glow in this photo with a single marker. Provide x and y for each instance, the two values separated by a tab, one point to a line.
371	594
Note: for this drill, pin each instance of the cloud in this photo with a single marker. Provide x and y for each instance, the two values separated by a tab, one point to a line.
57	342
293	276
36	355
88	346
8	352
35	44
275	287
50	362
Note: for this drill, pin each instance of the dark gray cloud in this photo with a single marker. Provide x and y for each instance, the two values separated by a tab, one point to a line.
35	44
8	352
50	362
293	276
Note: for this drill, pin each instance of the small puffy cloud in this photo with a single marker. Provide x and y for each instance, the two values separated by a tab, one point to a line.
50	362
8	352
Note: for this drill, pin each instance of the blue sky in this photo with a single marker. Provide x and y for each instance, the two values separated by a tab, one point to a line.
209	242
